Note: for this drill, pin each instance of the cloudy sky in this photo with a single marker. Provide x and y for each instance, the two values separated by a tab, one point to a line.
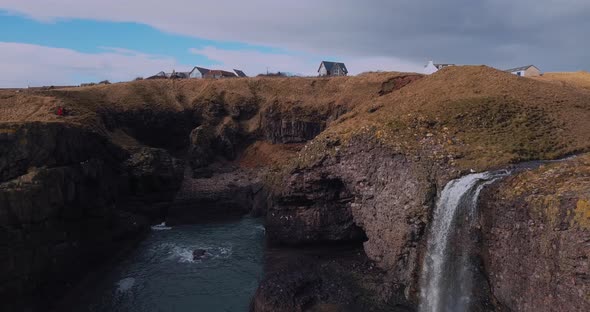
44	42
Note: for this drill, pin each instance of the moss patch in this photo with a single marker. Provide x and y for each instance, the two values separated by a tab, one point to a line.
581	216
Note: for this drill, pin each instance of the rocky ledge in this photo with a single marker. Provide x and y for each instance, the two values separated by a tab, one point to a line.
536	237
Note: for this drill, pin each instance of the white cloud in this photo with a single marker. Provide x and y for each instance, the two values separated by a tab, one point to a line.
458	31
34	65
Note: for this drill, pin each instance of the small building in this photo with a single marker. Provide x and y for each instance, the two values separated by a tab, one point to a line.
332	69
525	71
198	72
432	68
217	74
178	75
240	73
160	75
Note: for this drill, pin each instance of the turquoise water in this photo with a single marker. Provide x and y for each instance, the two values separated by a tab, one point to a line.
161	275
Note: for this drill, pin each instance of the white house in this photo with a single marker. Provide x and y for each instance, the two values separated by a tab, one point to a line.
198	72
332	69
525	71
432	68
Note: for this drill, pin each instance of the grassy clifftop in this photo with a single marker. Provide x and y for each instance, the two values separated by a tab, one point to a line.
472	117
306	94
579	79
469	116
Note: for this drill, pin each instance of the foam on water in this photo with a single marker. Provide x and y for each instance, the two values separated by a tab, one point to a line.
184	254
125	284
161	275
161	227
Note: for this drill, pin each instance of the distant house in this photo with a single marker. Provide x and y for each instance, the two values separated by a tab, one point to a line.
217	74
332	69
432	68
160	75
198	72
240	73
178	75
525	71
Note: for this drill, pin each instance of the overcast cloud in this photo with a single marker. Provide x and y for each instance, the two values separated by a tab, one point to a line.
551	34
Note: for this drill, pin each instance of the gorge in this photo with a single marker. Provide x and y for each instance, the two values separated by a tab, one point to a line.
345	172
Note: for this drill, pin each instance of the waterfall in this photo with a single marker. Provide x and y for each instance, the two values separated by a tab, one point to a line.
448	272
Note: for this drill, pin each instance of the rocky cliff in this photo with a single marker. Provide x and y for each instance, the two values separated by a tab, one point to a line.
536	238
58	211
379	169
346	161
75	189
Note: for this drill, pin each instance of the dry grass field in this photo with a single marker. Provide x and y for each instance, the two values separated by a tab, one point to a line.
579	79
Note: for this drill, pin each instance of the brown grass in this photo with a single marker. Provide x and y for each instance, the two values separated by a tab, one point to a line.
580	79
311	95
548	188
264	154
471	116
476	117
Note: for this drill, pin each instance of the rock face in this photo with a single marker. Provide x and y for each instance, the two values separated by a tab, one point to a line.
58	213
232	193
153	177
285	129
537	238
39	144
322	279
361	189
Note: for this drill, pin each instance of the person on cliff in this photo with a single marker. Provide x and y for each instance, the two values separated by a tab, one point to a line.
60	111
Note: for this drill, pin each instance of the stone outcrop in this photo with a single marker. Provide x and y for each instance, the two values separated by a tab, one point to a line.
361	188
231	192
322	279
57	222
37	144
153	177
58	208
536	238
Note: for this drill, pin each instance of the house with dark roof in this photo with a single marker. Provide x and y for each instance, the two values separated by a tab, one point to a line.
198	72
240	73
217	74
432	67
525	71
332	69
160	75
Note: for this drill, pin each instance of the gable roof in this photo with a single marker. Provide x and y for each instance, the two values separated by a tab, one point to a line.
159	75
330	65
221	73
521	68
202	70
439	66
240	73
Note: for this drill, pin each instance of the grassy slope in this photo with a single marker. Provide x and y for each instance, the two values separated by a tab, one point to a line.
308	94
473	116
545	190
579	79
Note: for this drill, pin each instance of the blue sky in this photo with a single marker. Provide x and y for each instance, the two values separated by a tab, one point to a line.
91	36
69	42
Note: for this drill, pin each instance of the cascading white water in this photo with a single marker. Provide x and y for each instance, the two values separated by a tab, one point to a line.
447	272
